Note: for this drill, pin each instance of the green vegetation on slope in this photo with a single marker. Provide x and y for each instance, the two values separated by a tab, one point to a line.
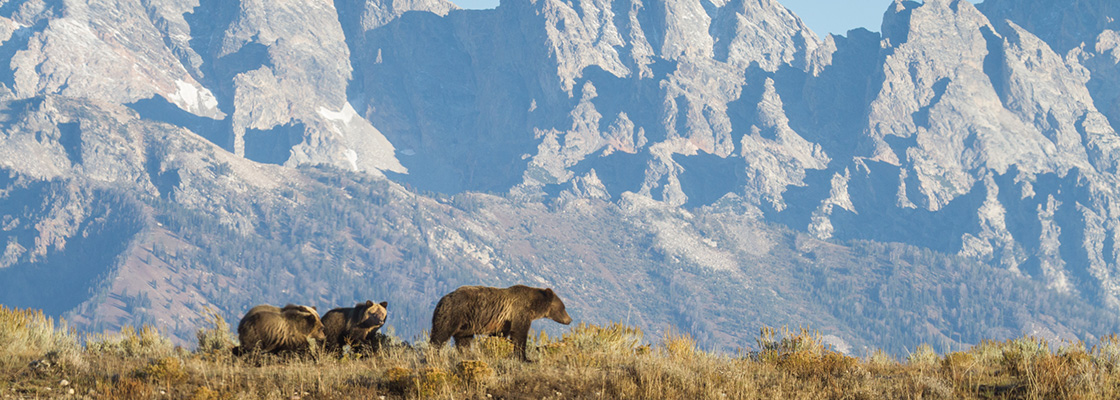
347	237
331	238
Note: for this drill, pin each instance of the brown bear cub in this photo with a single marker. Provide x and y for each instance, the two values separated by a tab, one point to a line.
355	326
480	310
275	330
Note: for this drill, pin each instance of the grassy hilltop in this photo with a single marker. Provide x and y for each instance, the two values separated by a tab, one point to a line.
39	359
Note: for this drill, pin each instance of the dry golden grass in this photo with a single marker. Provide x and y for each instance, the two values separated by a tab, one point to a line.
589	362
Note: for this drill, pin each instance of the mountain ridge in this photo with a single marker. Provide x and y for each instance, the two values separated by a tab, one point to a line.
716	153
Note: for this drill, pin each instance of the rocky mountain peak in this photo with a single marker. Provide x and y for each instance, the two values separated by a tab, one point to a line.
1063	24
373	14
994	80
763	32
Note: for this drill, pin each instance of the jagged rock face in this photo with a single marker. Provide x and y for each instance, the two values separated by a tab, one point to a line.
983	124
266	80
555	84
1083	31
1064	24
69	48
973	127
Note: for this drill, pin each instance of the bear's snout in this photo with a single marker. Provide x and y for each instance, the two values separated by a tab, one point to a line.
319	335
564	318
374	318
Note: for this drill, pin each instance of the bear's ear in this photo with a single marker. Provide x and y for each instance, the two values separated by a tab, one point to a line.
385	305
312	319
549	292
367	304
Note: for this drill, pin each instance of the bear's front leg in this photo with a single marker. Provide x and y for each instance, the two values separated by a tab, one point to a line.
519	335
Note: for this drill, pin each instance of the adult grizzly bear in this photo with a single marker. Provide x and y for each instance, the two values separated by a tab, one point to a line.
353	325
480	310
271	329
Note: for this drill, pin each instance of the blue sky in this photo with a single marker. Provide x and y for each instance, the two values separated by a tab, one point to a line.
822	16
838	16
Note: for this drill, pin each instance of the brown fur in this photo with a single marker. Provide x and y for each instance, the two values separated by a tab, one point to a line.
479	310
271	329
354	326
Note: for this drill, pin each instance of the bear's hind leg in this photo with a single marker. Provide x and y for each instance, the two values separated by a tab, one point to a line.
463	342
439	337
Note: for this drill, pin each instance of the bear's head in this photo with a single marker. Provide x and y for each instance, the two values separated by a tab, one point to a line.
370	314
556	310
305	320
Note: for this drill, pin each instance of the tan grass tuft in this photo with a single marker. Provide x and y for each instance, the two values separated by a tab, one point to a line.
679	347
205	393
166	370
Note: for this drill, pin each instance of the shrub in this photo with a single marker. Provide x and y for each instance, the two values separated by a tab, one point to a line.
474	372
1019	354
1106	353
772	342
923	356
955	364
215	342
836	363
679	347
426	383
131	343
494	346
387	337
433	381
614	338
587	344
27	334
987	352
205	393
167	370
801	354
881	360
1075	355
398	380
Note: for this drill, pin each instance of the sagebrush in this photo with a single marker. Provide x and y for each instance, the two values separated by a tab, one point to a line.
589	361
